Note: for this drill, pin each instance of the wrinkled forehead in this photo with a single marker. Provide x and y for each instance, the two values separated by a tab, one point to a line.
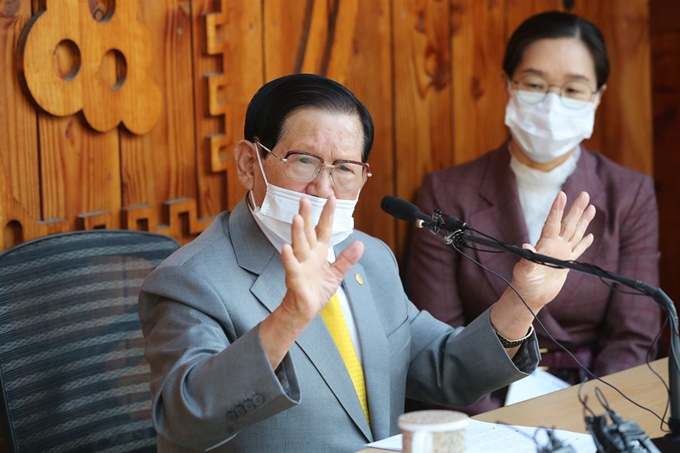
332	135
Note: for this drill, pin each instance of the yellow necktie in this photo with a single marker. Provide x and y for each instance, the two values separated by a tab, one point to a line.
337	326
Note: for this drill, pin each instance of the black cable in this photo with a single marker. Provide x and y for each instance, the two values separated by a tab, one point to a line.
663	422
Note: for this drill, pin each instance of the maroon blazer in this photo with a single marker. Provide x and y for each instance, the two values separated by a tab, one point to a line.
619	328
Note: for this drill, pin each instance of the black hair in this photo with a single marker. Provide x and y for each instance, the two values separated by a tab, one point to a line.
556	24
276	100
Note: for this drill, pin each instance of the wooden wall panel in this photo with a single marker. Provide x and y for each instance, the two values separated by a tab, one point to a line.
286	32
209	127
19	159
244	62
18	148
519	10
349	41
80	171
161	165
479	89
80	167
623	129
227	72
367	61
665	45
423	109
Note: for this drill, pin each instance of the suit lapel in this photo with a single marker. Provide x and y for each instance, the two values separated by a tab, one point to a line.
374	348
318	346
584	178
502	219
255	253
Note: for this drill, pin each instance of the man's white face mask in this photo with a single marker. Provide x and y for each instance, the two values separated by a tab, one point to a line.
280	206
548	129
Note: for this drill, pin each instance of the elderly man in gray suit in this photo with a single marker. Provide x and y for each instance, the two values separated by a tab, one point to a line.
281	329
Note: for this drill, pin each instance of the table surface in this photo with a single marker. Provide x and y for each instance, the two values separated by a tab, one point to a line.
563	410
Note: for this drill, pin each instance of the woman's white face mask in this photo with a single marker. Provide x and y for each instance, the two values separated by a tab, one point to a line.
548	129
280	206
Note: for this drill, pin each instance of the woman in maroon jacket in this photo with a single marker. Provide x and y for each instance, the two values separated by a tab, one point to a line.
556	66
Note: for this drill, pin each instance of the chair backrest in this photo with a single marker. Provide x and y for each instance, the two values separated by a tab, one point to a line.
72	366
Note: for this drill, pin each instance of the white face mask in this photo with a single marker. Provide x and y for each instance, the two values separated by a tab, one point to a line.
280	206
548	130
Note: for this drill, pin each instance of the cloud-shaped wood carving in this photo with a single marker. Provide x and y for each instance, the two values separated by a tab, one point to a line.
132	98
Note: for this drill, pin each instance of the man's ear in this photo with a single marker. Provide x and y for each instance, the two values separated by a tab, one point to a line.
244	154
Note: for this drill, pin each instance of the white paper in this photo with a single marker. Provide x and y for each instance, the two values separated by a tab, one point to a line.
483	437
536	384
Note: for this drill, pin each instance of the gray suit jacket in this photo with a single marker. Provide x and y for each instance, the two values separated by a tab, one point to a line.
213	385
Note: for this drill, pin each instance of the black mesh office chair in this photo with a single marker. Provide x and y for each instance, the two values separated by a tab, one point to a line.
72	363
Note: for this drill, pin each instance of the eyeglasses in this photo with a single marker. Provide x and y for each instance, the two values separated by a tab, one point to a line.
532	89
306	167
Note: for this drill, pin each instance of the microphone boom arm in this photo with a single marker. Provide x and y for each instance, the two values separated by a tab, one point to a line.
671	441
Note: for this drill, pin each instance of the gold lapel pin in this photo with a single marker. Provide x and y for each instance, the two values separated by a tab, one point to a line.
359	279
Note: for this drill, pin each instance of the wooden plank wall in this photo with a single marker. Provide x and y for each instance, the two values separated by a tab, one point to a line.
665	45
428	70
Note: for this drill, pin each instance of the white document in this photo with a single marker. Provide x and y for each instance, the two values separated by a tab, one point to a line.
536	384
483	437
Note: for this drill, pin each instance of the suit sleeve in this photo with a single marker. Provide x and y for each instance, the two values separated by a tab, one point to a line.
631	321
206	386
445	365
461	374
433	264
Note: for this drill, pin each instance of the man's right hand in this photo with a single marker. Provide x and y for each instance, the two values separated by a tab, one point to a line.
310	279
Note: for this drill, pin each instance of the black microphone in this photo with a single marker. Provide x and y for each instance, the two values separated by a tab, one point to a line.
403	210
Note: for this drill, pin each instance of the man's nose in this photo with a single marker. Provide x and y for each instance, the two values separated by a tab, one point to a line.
322	186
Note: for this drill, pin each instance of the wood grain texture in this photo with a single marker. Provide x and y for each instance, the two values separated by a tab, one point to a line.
80	170
563	410
479	88
348	41
665	45
368	73
519	10
285	36
623	128
161	165
364	64
227	72
423	104
19	158
84	87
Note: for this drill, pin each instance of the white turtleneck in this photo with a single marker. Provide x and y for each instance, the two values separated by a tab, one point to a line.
537	190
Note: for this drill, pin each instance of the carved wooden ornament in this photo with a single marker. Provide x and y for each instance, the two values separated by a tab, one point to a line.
133	98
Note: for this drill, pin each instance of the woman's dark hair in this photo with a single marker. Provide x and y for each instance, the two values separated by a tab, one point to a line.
556	24
276	100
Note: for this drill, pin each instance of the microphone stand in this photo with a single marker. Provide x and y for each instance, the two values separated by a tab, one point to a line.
670	443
